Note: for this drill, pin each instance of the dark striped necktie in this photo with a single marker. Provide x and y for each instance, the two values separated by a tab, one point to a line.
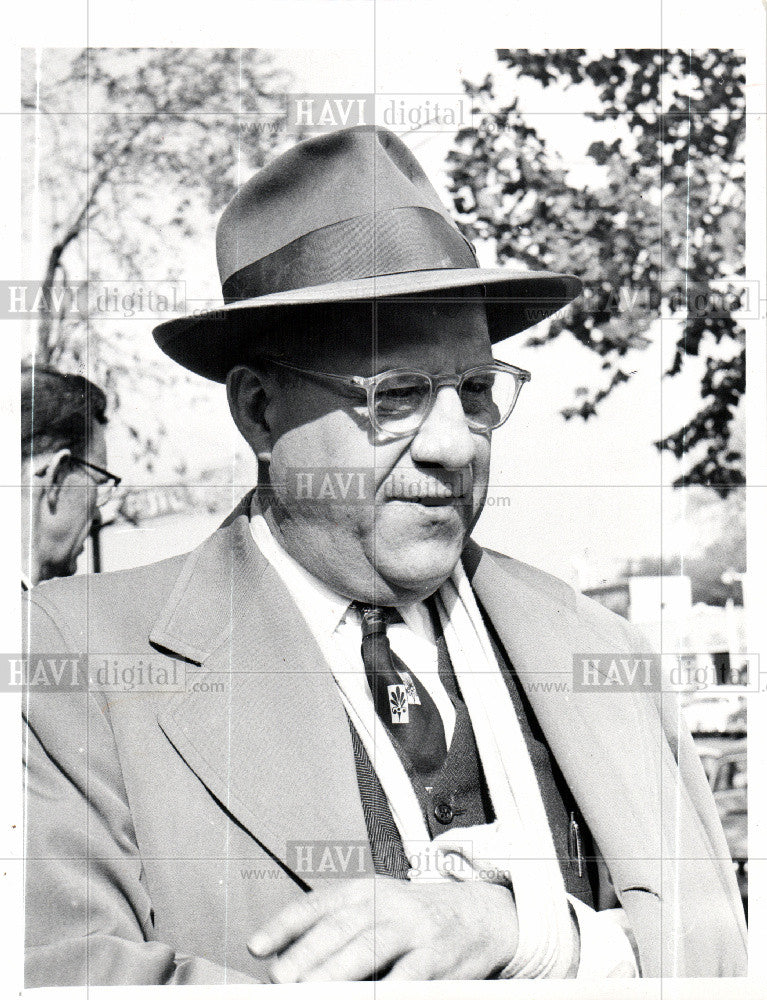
403	704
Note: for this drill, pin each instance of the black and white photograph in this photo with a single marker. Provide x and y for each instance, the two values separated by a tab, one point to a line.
390	503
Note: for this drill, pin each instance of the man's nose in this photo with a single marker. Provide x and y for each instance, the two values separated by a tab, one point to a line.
444	437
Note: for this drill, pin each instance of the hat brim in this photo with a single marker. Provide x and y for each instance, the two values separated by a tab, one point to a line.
209	344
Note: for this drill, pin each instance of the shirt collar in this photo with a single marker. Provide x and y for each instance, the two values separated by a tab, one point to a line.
322	607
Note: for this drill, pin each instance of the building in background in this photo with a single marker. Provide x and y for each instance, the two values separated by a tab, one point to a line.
709	669
710	638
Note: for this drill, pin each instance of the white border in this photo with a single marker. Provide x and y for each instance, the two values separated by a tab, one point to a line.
368	25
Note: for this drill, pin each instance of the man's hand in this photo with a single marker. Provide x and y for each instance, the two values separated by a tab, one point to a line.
392	929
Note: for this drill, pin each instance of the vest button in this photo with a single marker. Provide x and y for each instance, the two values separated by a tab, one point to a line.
443	813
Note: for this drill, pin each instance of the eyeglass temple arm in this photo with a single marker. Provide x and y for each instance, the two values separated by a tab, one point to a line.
358	381
112	478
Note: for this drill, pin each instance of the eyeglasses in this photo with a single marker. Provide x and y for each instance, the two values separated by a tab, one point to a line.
399	400
106	482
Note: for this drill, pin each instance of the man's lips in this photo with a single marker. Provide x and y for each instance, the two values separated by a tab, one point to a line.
427	501
430	494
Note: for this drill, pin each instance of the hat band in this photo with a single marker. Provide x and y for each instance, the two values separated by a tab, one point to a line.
392	242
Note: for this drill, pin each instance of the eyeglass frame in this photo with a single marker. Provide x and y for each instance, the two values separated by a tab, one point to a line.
110	479
368	384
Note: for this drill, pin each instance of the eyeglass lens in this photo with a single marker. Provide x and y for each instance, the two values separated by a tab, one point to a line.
104	493
401	401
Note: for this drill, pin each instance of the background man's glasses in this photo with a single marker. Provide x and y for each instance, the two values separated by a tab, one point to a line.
399	401
106	482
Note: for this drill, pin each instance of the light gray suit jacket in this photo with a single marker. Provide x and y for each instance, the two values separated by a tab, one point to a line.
158	824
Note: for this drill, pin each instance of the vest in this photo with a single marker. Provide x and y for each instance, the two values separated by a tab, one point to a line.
456	794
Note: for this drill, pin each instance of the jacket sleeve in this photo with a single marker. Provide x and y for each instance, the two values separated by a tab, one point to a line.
88	912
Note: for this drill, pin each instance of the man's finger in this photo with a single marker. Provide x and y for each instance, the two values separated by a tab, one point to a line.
416	965
289	923
297	918
320	942
368	953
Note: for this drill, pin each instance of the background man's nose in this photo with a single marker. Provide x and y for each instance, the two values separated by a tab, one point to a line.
444	437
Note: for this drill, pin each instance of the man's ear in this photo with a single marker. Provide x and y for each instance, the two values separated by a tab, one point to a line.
55	474
249	397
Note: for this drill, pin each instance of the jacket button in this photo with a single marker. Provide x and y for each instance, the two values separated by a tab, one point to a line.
443	813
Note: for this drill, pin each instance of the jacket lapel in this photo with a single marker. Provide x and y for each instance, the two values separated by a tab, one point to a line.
270	737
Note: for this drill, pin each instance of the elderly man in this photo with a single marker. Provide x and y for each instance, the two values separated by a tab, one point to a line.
361	774
63	452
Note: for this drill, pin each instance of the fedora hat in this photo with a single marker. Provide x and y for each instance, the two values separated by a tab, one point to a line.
345	217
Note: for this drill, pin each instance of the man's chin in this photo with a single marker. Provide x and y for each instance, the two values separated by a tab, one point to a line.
420	570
